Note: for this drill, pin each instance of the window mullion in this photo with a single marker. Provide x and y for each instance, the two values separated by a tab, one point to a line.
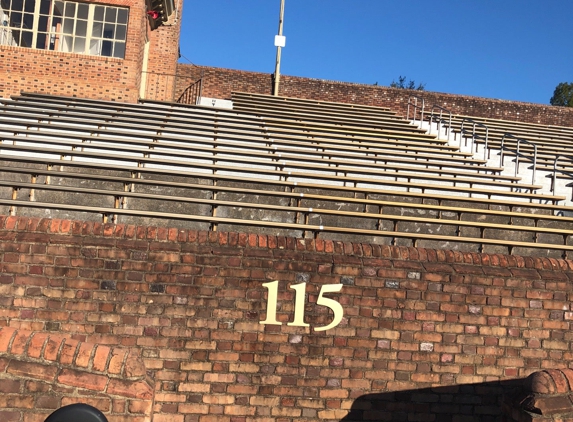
36	23
90	28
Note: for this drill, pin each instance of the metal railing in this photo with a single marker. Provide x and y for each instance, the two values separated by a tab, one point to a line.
192	93
440	120
165	86
503	148
555	171
464	133
415	107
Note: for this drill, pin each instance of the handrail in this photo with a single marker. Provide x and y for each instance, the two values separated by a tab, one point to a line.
163	86
475	135
519	141
192	93
440	120
555	162
415	106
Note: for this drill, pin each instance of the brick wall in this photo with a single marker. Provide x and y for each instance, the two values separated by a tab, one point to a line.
41	372
219	83
426	335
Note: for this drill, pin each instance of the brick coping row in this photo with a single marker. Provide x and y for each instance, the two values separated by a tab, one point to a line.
60	359
63	231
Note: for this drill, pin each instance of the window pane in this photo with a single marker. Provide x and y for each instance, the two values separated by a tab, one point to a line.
98	13
97	30
15	20
95	47
58	8
106	47
81	28
41	41
45	7
43	24
26	39
80	45
83	10
66	44
15	37
120	32
16	6
110	14
108	31
68	26
28	21
122	16
70	9
119	50
29	6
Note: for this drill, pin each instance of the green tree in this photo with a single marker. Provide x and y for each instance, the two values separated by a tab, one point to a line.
563	95
410	85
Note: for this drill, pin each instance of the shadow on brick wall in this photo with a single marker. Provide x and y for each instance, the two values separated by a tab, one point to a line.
457	403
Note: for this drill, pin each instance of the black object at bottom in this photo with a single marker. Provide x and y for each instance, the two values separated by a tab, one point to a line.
78	412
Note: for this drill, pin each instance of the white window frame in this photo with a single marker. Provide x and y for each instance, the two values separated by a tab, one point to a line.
60	37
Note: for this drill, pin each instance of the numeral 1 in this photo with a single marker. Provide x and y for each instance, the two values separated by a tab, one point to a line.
273	288
300	292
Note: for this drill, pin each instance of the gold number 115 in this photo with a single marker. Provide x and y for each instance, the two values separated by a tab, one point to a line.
299	301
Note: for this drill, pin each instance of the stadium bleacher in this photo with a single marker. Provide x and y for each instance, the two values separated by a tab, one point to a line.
276	165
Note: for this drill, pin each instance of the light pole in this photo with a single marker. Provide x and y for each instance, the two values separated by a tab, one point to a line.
279	43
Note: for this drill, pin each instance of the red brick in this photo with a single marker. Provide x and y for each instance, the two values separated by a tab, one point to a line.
52	347
10	386
32	370
84	354
80	379
116	361
100	358
6	335
16	401
139	389
9	416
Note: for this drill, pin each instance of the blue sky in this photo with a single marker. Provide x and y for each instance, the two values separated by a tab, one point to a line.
509	49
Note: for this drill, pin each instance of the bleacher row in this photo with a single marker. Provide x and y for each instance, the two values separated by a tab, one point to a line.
272	164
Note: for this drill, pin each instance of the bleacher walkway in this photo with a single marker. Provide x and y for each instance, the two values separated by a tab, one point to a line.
275	165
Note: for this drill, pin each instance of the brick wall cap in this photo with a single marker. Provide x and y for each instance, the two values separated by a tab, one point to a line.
550	381
83	233
67	353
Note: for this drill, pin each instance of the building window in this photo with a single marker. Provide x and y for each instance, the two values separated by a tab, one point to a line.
64	26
